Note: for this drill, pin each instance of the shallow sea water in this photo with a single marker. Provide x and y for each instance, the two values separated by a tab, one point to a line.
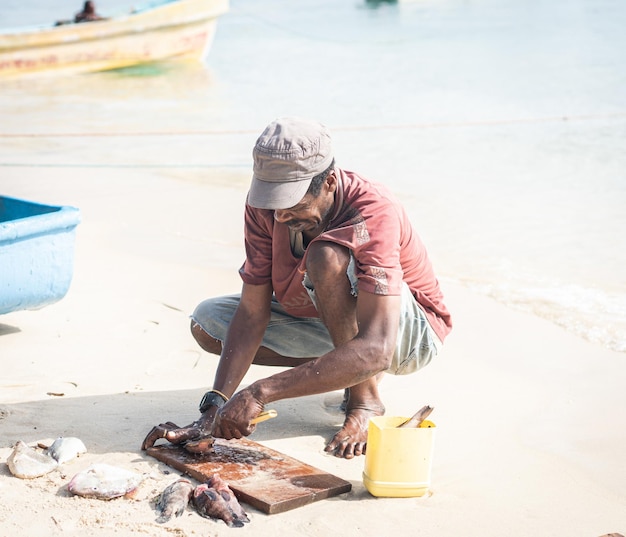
501	125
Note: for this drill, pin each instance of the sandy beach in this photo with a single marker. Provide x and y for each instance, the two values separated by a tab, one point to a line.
530	419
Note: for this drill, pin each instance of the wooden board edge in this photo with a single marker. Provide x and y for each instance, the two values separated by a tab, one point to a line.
342	486
288	505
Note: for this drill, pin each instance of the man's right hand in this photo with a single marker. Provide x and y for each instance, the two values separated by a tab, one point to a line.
177	435
172	433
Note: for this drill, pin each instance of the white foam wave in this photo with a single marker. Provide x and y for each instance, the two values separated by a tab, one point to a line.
592	313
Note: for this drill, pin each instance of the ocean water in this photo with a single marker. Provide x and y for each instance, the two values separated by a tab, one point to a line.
500	123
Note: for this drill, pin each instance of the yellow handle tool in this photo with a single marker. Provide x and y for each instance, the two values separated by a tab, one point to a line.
263	416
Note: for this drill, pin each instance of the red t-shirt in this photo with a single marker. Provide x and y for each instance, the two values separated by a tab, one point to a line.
369	221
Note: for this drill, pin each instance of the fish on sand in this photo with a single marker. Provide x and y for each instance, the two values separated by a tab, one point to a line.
215	499
104	482
174	499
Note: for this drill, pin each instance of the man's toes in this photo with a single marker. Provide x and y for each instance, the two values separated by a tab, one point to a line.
348	451
341	449
337	441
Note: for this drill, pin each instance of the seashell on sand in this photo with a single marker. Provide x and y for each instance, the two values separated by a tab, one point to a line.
65	449
28	463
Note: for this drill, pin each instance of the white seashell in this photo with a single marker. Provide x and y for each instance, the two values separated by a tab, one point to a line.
27	463
65	449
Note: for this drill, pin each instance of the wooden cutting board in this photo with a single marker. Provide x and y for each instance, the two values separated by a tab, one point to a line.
259	476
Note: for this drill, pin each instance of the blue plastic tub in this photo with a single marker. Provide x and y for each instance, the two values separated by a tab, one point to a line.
36	253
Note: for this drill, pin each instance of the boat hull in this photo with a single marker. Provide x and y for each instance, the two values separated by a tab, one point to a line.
174	29
36	253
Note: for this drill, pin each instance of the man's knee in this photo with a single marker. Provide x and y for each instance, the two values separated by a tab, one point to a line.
326	259
207	342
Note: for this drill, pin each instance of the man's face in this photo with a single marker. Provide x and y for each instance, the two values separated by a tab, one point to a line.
312	214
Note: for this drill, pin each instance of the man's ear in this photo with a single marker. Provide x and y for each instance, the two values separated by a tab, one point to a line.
331	182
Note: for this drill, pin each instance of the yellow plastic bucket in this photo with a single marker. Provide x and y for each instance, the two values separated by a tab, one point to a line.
398	461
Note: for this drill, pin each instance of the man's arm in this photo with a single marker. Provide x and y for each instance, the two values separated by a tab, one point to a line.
244	337
369	353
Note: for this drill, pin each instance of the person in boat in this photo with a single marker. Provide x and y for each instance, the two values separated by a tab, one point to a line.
88	14
337	287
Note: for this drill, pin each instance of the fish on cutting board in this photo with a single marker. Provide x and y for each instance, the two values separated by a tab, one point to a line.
104	482
203	445
174	499
214	499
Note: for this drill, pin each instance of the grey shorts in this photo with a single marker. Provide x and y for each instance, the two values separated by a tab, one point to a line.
307	337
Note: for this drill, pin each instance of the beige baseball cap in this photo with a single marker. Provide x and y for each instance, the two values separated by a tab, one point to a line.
287	155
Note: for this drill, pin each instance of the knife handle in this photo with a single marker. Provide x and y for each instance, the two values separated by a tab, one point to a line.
265	415
417	418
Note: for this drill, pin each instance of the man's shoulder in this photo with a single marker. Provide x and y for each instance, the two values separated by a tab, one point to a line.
357	185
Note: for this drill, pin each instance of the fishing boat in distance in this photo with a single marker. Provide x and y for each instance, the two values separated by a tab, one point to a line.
158	30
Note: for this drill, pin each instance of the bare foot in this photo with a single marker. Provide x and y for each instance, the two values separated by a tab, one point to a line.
351	439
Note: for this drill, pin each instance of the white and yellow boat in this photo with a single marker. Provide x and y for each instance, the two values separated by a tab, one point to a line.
160	30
